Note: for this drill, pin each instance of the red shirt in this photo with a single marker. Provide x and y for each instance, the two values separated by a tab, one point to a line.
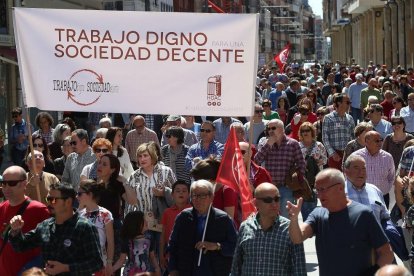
387	106
295	128
12	262
227	197
168	220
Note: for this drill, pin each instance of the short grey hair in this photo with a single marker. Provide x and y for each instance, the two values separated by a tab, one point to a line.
105	120
202	183
352	158
101	133
333	175
278	123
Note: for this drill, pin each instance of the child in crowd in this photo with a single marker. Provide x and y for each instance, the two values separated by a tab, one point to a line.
88	197
180	194
138	246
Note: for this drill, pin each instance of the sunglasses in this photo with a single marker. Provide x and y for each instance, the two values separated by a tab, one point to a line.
304	113
206	130
269	199
15	115
272	128
52	199
199	196
101	150
10	183
73	143
35	145
396	123
258	111
265	105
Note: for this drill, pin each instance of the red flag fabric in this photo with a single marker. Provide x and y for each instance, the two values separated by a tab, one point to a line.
282	57
232	173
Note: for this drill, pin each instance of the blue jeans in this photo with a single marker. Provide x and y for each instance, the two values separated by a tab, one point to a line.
286	195
356	114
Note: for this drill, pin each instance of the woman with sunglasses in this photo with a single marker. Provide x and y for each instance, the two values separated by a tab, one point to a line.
88	197
397	103
304	114
174	153
316	157
100	147
312	95
39	143
114	135
394	142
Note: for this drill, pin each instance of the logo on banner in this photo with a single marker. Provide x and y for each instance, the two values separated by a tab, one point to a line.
214	91
85	87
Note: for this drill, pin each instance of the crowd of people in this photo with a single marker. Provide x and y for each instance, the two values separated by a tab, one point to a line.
138	193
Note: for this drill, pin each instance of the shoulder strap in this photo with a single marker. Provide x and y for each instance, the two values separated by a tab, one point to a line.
19	212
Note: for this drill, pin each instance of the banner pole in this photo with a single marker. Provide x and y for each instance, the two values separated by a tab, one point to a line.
33	159
204	235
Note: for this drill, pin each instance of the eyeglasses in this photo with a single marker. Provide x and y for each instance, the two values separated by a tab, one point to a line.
265	105
396	123
101	150
52	199
272	128
269	199
206	130
323	190
258	111
199	196
35	145
10	183
305	130
73	143
304	113
80	193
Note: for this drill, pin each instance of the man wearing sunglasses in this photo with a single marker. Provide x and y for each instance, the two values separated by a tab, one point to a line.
190	137
376	113
279	153
265	237
18	136
205	147
13	186
69	243
81	156
346	231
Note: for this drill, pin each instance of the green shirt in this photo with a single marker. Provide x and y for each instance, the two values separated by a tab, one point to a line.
366	92
273	115
75	243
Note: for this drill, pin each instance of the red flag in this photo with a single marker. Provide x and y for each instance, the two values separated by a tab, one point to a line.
232	173
282	57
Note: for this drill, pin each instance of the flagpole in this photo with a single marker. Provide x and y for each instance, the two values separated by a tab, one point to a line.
204	235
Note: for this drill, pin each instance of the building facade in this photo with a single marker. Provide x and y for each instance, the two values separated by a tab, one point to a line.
377	30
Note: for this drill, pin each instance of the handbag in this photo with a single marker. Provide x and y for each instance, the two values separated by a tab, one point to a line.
299	188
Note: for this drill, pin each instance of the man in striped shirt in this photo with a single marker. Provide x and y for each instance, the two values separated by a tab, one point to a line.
379	164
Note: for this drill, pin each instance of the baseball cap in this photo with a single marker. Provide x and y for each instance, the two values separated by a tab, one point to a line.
173	118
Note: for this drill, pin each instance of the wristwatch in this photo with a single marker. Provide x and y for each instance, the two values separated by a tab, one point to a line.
218	246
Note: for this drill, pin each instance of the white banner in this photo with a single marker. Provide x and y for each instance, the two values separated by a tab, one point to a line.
137	62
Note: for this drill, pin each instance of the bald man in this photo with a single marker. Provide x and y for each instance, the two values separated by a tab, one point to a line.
393	270
139	135
346	231
14	186
264	246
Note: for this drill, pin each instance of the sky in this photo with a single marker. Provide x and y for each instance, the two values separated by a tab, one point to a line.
316	6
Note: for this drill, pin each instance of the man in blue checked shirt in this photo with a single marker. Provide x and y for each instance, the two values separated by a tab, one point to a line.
264	246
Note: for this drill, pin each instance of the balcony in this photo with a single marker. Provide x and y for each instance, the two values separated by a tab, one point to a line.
361	6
